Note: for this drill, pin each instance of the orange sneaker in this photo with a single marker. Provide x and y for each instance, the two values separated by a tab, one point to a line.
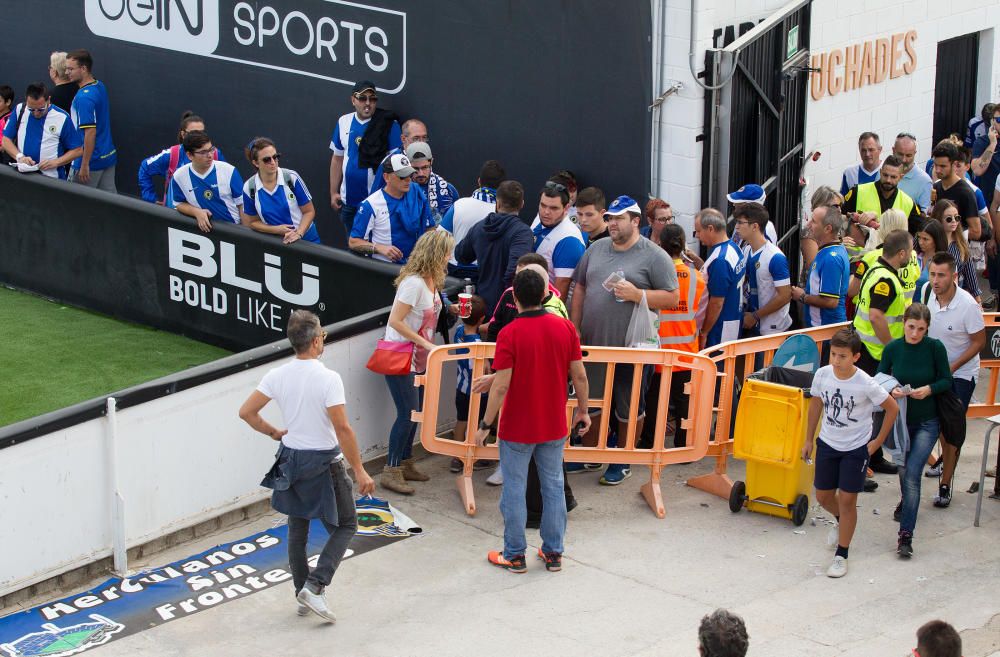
553	560
514	565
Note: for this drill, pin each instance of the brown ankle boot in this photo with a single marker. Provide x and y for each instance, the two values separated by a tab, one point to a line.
410	472
392	478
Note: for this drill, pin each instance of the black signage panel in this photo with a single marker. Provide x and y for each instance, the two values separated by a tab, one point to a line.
136	261
521	82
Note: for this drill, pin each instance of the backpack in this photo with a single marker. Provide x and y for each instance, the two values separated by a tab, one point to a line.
252	184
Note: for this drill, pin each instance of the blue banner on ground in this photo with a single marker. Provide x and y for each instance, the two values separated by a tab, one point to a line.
123	606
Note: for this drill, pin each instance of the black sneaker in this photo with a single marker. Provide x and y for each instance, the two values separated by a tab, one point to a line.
480	464
553	560
870	485
943	498
884	467
898	513
904	548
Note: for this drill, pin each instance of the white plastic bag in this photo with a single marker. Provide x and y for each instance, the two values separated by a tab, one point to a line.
642	330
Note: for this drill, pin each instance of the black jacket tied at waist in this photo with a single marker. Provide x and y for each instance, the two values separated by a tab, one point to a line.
303	483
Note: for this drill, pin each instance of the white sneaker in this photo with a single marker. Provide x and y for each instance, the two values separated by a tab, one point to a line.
495	479
316	603
838	568
833	536
302	610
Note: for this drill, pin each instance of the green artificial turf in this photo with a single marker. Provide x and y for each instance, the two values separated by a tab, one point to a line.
53	356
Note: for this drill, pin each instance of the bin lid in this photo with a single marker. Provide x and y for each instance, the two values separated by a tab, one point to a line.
785	376
797	352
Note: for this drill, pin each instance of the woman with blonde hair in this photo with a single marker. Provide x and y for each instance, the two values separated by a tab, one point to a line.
947	213
891	220
413	318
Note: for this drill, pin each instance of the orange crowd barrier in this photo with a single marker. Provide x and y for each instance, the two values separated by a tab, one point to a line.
724	362
698	424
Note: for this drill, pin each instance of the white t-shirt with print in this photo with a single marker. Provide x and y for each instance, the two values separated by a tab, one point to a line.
848	405
304	389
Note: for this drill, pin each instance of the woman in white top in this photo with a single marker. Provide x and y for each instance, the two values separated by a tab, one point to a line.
413	318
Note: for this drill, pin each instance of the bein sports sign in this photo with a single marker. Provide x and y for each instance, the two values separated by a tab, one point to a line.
331	40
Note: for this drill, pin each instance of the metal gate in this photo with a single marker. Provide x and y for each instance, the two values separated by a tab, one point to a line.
955	85
756	124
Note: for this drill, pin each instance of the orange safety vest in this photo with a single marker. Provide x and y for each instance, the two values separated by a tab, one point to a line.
679	326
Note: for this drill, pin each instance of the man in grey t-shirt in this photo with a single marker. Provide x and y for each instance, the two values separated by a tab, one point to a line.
602	316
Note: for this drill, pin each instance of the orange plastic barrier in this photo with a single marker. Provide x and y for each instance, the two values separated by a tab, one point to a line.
737	359
698	424
725	362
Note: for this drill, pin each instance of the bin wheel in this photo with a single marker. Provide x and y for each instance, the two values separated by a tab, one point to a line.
800	509
737	495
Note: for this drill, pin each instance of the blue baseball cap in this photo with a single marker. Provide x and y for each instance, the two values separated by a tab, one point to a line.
748	194
621	205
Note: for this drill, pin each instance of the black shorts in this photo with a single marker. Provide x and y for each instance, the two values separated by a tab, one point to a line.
843	470
462	406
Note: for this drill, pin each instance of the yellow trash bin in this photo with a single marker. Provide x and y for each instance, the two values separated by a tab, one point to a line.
771	423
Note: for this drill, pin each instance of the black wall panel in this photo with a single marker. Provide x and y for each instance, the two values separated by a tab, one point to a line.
538	84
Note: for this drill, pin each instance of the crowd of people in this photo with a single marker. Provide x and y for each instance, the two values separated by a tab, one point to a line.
898	251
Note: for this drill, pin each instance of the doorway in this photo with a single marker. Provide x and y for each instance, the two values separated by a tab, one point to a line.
955	85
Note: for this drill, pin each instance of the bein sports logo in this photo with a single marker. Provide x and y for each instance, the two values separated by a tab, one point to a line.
331	40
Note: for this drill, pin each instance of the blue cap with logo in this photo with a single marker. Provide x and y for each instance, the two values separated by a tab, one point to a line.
621	205
748	194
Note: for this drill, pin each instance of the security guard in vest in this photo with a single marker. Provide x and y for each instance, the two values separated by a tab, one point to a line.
879	317
864	204
882	300
908	274
678	331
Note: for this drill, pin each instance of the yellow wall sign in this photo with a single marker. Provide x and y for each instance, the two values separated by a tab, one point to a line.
863	64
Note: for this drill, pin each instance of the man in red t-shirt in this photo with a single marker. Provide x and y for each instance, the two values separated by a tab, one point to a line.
534	354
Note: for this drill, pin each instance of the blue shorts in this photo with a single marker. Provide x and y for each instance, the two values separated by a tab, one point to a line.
843	470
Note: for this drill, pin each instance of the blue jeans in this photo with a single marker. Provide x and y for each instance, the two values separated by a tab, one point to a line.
514	459
406	398
923	435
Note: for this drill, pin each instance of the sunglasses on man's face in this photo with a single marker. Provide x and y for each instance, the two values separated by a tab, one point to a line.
271	158
366	98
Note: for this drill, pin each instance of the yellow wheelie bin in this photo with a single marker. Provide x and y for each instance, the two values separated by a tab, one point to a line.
771	423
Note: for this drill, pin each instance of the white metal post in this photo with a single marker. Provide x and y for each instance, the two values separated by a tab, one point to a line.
117	501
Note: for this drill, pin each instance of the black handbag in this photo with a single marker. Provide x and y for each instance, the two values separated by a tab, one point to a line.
951	417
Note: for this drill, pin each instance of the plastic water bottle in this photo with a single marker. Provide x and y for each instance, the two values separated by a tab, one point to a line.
469	287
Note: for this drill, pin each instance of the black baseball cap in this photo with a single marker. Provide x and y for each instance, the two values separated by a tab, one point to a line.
363	85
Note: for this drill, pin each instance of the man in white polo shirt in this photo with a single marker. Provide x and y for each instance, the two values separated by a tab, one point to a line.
957	321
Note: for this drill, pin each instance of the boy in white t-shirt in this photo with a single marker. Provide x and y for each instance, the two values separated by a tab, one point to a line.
845	397
309	477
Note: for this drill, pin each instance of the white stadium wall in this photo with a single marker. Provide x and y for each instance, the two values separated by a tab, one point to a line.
180	459
905	103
